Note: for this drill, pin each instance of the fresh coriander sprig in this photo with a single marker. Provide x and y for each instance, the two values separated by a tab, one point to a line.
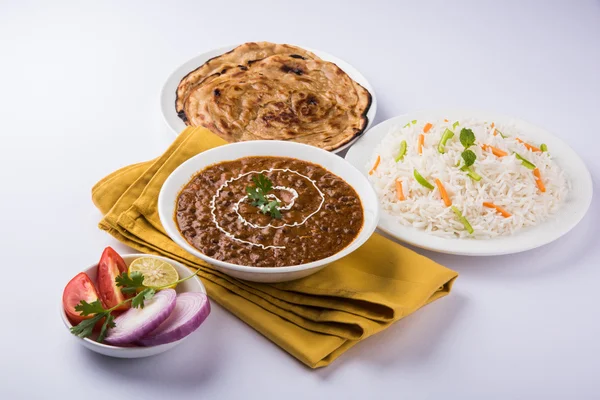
86	327
468	157
467	139
272	207
134	283
258	195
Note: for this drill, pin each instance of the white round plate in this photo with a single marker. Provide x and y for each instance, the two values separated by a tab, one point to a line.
568	215
168	93
185	172
191	285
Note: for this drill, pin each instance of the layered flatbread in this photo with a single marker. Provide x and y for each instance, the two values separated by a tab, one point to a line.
296	97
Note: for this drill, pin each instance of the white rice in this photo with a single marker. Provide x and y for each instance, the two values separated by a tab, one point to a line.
505	181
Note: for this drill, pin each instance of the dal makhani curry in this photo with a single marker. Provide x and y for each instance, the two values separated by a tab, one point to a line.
268	212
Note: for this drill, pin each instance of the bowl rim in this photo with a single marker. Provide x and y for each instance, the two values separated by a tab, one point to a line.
68	324
363	235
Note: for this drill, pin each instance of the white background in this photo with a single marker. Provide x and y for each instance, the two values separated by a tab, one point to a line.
79	85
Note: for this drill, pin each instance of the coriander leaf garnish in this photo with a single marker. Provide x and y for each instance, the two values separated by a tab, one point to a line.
258	192
258	195
129	283
138	300
469	157
108	323
263	183
271	208
86	327
86	308
467	137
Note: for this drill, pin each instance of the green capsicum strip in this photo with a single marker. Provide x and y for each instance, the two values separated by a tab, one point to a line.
454	125
472	174
402	151
526	163
448	134
462	219
422	180
501	134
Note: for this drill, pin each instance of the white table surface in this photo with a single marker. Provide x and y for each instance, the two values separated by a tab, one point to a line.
79	88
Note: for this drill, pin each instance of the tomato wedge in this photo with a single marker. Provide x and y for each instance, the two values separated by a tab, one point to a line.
110	266
79	288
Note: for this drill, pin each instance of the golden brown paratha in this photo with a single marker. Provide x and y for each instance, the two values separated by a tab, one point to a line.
296	97
240	56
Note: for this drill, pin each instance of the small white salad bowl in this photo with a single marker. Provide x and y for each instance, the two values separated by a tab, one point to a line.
331	162
191	285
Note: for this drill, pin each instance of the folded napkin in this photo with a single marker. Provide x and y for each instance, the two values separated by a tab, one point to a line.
316	318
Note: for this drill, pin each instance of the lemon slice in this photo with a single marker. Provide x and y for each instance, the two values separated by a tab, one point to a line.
156	272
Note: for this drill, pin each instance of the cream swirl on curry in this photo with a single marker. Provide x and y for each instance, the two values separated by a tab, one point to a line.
268	212
280	207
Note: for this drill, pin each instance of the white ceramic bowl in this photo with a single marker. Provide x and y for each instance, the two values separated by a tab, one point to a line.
337	165
168	95
191	285
568	215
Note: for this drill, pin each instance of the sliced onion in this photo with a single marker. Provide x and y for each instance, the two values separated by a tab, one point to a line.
138	322
190	311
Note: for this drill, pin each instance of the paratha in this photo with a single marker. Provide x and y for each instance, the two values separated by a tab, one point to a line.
296	97
240	56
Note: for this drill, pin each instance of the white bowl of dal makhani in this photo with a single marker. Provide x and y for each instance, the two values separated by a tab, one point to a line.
268	211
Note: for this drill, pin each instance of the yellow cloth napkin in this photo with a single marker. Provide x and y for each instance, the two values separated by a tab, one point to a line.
316	318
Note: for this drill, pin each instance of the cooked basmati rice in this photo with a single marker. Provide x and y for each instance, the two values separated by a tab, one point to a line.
505	181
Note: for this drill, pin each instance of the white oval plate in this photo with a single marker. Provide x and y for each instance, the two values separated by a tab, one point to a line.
179	178
568	215
191	285
168	93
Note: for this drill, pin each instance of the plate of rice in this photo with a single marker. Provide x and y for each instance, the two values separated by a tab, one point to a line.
471	182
